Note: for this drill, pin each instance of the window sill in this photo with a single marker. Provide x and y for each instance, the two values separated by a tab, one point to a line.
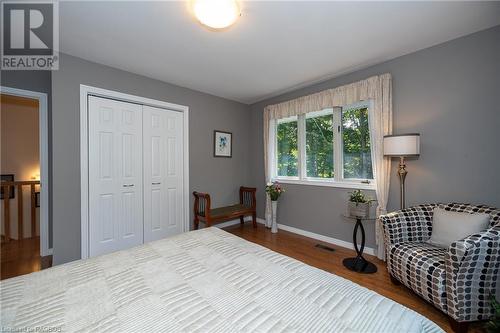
310	182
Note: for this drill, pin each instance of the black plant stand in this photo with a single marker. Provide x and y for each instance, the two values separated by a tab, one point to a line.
359	264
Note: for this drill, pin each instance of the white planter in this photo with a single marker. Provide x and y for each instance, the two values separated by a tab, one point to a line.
359	209
269	218
274	225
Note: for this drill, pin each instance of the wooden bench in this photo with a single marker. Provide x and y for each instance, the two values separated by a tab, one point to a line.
204	213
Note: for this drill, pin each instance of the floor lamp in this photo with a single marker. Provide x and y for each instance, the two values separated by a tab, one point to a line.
403	145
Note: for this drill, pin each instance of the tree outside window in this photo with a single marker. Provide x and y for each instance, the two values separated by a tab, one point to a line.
356	142
287	149
319	146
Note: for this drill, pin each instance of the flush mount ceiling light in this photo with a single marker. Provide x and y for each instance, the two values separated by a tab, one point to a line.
216	14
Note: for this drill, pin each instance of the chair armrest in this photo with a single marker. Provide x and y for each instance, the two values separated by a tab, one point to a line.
412	224
472	269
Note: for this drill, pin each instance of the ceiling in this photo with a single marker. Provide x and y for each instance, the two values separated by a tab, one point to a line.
273	48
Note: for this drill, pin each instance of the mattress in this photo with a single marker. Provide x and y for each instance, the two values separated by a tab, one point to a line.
201	281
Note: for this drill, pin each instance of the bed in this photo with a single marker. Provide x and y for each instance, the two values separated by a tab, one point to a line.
201	281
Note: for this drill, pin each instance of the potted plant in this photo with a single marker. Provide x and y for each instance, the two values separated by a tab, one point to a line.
359	204
274	190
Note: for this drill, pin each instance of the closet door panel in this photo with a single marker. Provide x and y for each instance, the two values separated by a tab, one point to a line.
131	205
163	178
115	175
174	179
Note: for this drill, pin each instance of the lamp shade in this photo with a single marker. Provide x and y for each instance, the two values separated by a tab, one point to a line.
402	145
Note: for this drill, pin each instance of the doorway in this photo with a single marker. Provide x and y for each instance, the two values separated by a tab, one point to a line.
24	185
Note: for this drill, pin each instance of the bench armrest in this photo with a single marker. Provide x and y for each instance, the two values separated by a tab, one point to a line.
201	204
247	196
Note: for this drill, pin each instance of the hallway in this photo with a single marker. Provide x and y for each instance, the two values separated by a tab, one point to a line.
20	257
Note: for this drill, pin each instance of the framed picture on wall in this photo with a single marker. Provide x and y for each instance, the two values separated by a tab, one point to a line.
7	178
223	144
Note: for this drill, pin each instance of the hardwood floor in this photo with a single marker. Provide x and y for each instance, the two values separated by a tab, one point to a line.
20	257
303	249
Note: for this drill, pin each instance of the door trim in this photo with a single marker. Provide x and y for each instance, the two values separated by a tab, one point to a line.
43	124
85	91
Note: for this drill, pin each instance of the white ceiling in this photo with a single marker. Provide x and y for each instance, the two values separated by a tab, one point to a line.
274	47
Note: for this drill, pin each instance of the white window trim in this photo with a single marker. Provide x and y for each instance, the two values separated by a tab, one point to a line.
338	148
275	144
302	179
286	120
326	183
301	145
324	112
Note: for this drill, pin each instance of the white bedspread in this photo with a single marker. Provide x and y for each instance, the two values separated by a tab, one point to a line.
200	281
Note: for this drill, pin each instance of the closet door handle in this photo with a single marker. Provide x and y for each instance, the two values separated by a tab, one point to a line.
158	183
128	185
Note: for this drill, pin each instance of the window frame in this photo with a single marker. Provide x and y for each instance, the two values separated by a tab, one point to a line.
338	153
303	152
362	104
275	157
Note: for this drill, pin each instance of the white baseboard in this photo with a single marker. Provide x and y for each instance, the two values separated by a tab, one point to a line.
327	239
227	224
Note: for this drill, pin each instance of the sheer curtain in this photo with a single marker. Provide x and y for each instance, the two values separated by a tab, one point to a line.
380	124
377	89
269	125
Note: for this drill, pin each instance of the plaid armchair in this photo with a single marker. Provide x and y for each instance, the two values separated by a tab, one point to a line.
457	280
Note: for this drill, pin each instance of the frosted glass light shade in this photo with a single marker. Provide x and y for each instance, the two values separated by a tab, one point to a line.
402	145
216	14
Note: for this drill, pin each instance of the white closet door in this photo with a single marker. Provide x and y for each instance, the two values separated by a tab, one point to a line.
163	173
115	175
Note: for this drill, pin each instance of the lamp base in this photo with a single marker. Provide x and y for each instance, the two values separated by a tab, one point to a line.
402	176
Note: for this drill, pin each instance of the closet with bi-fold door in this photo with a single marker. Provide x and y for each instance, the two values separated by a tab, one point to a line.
135	174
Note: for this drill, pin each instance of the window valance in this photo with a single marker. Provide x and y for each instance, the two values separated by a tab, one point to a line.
375	88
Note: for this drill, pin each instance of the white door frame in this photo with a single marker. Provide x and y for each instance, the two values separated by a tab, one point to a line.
44	160
85	91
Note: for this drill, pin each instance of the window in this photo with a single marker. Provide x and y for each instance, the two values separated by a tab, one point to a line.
357	158
287	147
327	147
319	147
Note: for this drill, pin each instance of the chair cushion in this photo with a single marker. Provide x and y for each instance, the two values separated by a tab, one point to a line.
421	267
449	227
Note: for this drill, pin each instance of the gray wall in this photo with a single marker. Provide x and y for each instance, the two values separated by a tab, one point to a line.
221	177
39	81
449	94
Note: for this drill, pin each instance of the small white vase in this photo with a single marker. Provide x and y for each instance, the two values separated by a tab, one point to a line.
274	226
269	221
